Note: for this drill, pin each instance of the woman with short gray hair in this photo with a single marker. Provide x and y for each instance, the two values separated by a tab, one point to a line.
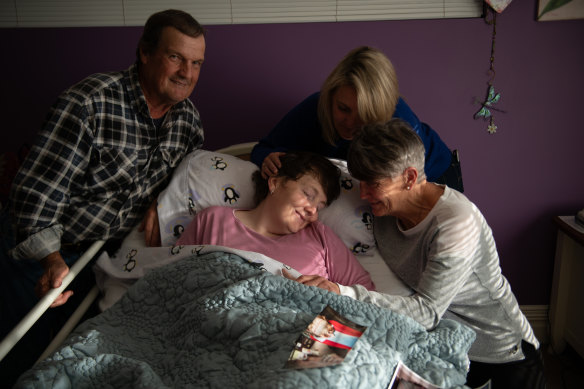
440	245
386	155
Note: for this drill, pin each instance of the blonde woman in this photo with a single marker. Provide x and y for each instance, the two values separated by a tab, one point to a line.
362	89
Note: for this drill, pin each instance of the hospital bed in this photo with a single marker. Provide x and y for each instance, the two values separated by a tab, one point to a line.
212	317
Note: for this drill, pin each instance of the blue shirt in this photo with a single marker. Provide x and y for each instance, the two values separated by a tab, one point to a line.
300	129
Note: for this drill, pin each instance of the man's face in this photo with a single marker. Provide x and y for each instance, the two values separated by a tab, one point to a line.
169	73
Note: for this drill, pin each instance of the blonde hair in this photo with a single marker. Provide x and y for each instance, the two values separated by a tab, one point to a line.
372	75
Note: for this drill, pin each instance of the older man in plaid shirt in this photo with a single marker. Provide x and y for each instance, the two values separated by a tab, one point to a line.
108	147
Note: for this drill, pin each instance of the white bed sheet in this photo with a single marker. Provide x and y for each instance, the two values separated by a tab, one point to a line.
384	279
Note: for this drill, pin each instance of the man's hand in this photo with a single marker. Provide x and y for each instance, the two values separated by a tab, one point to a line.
271	165
314	280
55	270
150	226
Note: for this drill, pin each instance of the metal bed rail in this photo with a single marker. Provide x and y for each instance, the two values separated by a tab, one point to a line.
45	302
241	150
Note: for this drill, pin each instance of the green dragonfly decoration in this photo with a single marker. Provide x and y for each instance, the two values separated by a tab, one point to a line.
486	106
492	97
485	111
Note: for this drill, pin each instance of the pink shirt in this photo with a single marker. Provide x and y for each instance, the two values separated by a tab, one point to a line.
315	249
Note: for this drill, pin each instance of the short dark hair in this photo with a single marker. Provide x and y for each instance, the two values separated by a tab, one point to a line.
180	20
296	164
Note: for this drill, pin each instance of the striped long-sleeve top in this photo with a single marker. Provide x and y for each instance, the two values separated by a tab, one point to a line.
451	262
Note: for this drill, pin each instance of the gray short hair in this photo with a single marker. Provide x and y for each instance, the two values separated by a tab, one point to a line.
385	151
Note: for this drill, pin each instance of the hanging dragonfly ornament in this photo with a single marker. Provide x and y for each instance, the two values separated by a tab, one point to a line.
485	112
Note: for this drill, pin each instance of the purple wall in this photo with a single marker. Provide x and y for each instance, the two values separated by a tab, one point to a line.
520	177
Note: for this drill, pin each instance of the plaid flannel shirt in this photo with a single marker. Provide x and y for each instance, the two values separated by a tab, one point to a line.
97	165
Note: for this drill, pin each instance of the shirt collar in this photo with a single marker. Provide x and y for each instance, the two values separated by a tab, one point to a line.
137	96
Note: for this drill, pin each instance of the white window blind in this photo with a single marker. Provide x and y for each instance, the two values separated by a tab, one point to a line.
81	13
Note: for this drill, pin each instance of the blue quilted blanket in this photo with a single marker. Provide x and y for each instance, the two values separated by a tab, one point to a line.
217	321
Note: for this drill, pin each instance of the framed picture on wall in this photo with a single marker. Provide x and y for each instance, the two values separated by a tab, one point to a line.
560	10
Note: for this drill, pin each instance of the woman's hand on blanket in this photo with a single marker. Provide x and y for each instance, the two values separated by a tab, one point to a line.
271	165
150	226
314	280
55	270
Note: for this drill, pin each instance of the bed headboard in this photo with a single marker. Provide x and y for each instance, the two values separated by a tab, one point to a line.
241	150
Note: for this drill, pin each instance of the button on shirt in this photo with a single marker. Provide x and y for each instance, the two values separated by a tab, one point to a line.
98	164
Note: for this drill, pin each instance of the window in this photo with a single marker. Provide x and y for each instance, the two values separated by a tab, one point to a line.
80	13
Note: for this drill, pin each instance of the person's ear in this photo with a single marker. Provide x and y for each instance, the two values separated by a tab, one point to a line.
272	184
410	177
143	56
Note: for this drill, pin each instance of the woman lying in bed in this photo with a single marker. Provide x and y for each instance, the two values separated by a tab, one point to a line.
284	225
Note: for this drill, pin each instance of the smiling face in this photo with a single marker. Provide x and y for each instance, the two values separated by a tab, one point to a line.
345	112
295	204
386	196
169	74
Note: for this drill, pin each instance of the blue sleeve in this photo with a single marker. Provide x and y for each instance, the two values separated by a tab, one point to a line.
297	127
438	155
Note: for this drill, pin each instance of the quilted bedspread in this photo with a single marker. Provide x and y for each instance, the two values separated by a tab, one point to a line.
214	320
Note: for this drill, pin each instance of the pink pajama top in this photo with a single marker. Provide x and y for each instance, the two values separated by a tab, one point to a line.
315	249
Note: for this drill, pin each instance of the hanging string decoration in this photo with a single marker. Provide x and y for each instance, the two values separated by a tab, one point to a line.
487	105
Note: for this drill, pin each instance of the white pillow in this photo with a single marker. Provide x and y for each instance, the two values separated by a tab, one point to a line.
349	216
384	279
205	178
